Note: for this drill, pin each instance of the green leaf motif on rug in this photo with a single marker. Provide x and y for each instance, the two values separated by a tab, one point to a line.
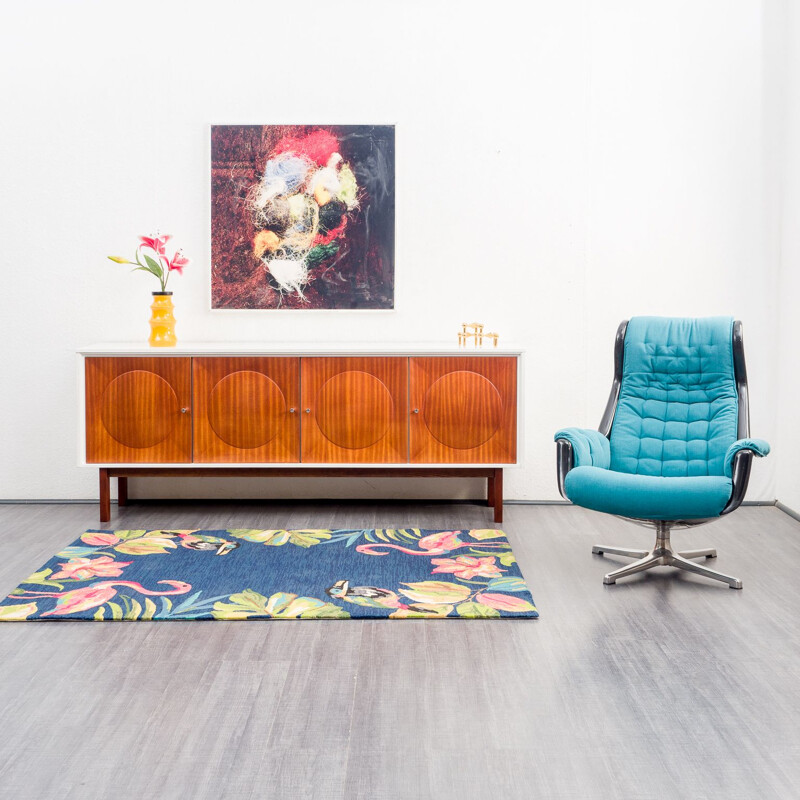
135	610
17	613
371	602
129	542
472	610
508	584
276	538
124	535
149	608
281	605
374	536
507	559
40	579
435	592
486	534
76	551
421	611
398	534
146	545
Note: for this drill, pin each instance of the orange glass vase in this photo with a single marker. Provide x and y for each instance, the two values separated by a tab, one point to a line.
162	321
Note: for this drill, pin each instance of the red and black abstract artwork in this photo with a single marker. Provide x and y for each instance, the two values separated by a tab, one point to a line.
302	216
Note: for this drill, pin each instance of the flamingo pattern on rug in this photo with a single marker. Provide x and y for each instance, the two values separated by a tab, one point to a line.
238	574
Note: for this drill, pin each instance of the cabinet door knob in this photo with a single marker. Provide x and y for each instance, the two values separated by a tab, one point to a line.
416	411
308	411
184	411
291	411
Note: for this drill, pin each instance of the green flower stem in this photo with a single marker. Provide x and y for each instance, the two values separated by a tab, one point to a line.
162	280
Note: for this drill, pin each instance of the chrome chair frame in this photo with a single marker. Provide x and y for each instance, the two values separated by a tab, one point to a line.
662	553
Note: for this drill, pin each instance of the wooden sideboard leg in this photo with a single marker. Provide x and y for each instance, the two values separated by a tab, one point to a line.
498	495
490	491
122	491
105	496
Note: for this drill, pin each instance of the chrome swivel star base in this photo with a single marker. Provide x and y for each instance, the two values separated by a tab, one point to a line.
662	554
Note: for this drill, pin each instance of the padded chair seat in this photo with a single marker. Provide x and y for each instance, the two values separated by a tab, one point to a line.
647	496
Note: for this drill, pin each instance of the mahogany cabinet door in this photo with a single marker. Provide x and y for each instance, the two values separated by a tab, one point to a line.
463	410
246	410
354	410
138	410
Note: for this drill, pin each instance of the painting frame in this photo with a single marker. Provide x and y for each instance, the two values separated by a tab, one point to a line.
302	217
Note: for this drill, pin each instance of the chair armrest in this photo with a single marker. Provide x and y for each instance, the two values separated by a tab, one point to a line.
758	447
589	448
579	447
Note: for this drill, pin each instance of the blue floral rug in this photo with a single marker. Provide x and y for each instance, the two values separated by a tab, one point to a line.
276	574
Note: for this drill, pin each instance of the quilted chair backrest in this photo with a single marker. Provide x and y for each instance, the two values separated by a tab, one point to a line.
678	409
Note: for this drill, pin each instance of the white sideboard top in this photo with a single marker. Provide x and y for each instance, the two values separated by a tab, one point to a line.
298	349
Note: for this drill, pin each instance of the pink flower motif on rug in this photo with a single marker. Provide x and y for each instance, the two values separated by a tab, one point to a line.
502	602
446	540
82	569
468	567
99	539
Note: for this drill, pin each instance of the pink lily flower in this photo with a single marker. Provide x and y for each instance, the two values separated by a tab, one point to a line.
179	261
467	567
157	243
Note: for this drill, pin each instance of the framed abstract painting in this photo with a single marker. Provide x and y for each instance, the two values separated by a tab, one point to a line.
302	216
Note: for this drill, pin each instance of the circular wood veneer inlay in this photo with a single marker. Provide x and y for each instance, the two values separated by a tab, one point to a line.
139	409
246	409
354	410
463	410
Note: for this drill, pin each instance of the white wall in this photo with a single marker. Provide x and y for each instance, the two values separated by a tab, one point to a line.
788	452
560	167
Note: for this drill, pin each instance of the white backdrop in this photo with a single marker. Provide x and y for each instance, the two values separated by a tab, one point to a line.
788	427
560	167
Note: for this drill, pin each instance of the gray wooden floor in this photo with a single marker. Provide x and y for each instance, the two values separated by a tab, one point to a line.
665	686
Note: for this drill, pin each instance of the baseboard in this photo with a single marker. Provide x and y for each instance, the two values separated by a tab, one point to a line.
48	502
786	510
536	502
184	500
468	501
568	503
